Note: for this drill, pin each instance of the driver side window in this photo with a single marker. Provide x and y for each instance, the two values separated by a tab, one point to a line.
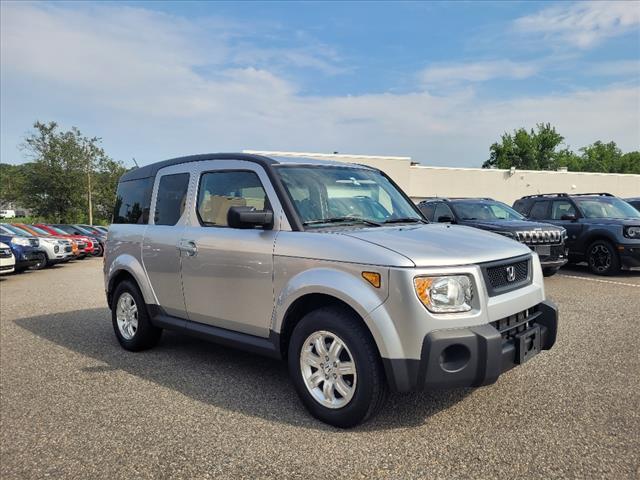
442	210
560	208
219	191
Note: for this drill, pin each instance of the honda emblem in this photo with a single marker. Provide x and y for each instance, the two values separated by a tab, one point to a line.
511	273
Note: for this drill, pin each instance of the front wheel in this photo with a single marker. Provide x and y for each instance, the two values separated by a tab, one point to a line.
41	262
549	272
602	258
336	368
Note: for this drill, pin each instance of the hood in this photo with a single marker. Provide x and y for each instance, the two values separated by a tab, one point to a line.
511	225
436	245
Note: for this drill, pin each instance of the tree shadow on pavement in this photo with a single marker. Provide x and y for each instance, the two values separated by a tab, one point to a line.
216	375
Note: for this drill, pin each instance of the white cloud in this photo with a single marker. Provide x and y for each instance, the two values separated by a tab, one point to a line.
582	24
155	86
476	71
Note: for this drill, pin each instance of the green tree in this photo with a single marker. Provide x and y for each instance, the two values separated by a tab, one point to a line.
12	178
528	150
541	149
69	176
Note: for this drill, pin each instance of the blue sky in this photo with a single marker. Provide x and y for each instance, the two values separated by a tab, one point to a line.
436	81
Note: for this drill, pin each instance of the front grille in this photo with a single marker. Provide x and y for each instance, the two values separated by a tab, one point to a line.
34	242
510	326
539	237
5	253
506	275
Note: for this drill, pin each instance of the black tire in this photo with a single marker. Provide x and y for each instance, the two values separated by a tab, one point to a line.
370	388
603	258
43	261
98	250
146	335
549	272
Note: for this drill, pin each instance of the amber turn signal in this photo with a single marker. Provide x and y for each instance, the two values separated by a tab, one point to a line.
373	278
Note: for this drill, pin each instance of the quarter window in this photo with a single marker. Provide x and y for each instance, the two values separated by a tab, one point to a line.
171	198
132	201
219	191
427	210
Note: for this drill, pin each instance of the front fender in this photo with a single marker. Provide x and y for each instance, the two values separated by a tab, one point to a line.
129	264
344	283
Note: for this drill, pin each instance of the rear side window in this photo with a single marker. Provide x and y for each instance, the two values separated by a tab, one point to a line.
427	210
171	198
219	191
133	200
539	211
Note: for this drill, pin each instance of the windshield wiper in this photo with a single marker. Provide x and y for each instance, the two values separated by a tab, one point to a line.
342	220
404	220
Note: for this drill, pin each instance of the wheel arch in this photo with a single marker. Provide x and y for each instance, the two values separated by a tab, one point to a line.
329	288
127	267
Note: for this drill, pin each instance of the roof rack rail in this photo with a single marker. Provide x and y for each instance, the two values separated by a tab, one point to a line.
547	195
601	194
471	198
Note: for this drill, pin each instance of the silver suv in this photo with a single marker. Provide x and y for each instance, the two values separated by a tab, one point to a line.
327	265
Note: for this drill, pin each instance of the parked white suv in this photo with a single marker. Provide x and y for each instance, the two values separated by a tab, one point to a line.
7	260
327	265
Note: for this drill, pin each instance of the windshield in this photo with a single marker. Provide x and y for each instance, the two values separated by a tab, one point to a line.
606	207
39	230
485	211
58	230
14	230
330	195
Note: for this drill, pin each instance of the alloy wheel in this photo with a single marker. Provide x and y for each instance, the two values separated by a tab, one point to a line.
328	369
600	258
127	316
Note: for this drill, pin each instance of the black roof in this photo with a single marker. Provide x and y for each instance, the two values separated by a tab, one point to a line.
152	169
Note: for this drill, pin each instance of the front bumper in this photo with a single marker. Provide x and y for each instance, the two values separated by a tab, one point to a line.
472	356
629	255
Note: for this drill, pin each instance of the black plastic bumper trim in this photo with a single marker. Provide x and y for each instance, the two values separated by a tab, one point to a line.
489	355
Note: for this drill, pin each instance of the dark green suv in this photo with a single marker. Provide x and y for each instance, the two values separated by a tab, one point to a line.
602	230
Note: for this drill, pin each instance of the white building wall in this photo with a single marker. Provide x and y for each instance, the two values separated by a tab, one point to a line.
505	185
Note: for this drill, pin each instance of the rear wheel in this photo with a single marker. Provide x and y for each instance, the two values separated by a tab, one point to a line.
131	322
602	258
336	368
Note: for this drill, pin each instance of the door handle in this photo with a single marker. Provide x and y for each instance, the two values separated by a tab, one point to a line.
189	247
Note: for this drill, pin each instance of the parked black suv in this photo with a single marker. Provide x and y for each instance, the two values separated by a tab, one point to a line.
488	214
602	229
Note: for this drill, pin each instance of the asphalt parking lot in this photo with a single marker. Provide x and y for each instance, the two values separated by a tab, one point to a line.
74	404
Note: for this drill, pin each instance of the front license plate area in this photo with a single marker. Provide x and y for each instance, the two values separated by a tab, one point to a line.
543	250
528	344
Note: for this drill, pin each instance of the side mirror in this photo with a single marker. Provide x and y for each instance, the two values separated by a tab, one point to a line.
249	217
571	217
445	219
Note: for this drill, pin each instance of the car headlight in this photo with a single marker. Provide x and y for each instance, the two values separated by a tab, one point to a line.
445	294
20	241
632	232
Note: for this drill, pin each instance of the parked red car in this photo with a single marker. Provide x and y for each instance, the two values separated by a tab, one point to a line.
85	245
